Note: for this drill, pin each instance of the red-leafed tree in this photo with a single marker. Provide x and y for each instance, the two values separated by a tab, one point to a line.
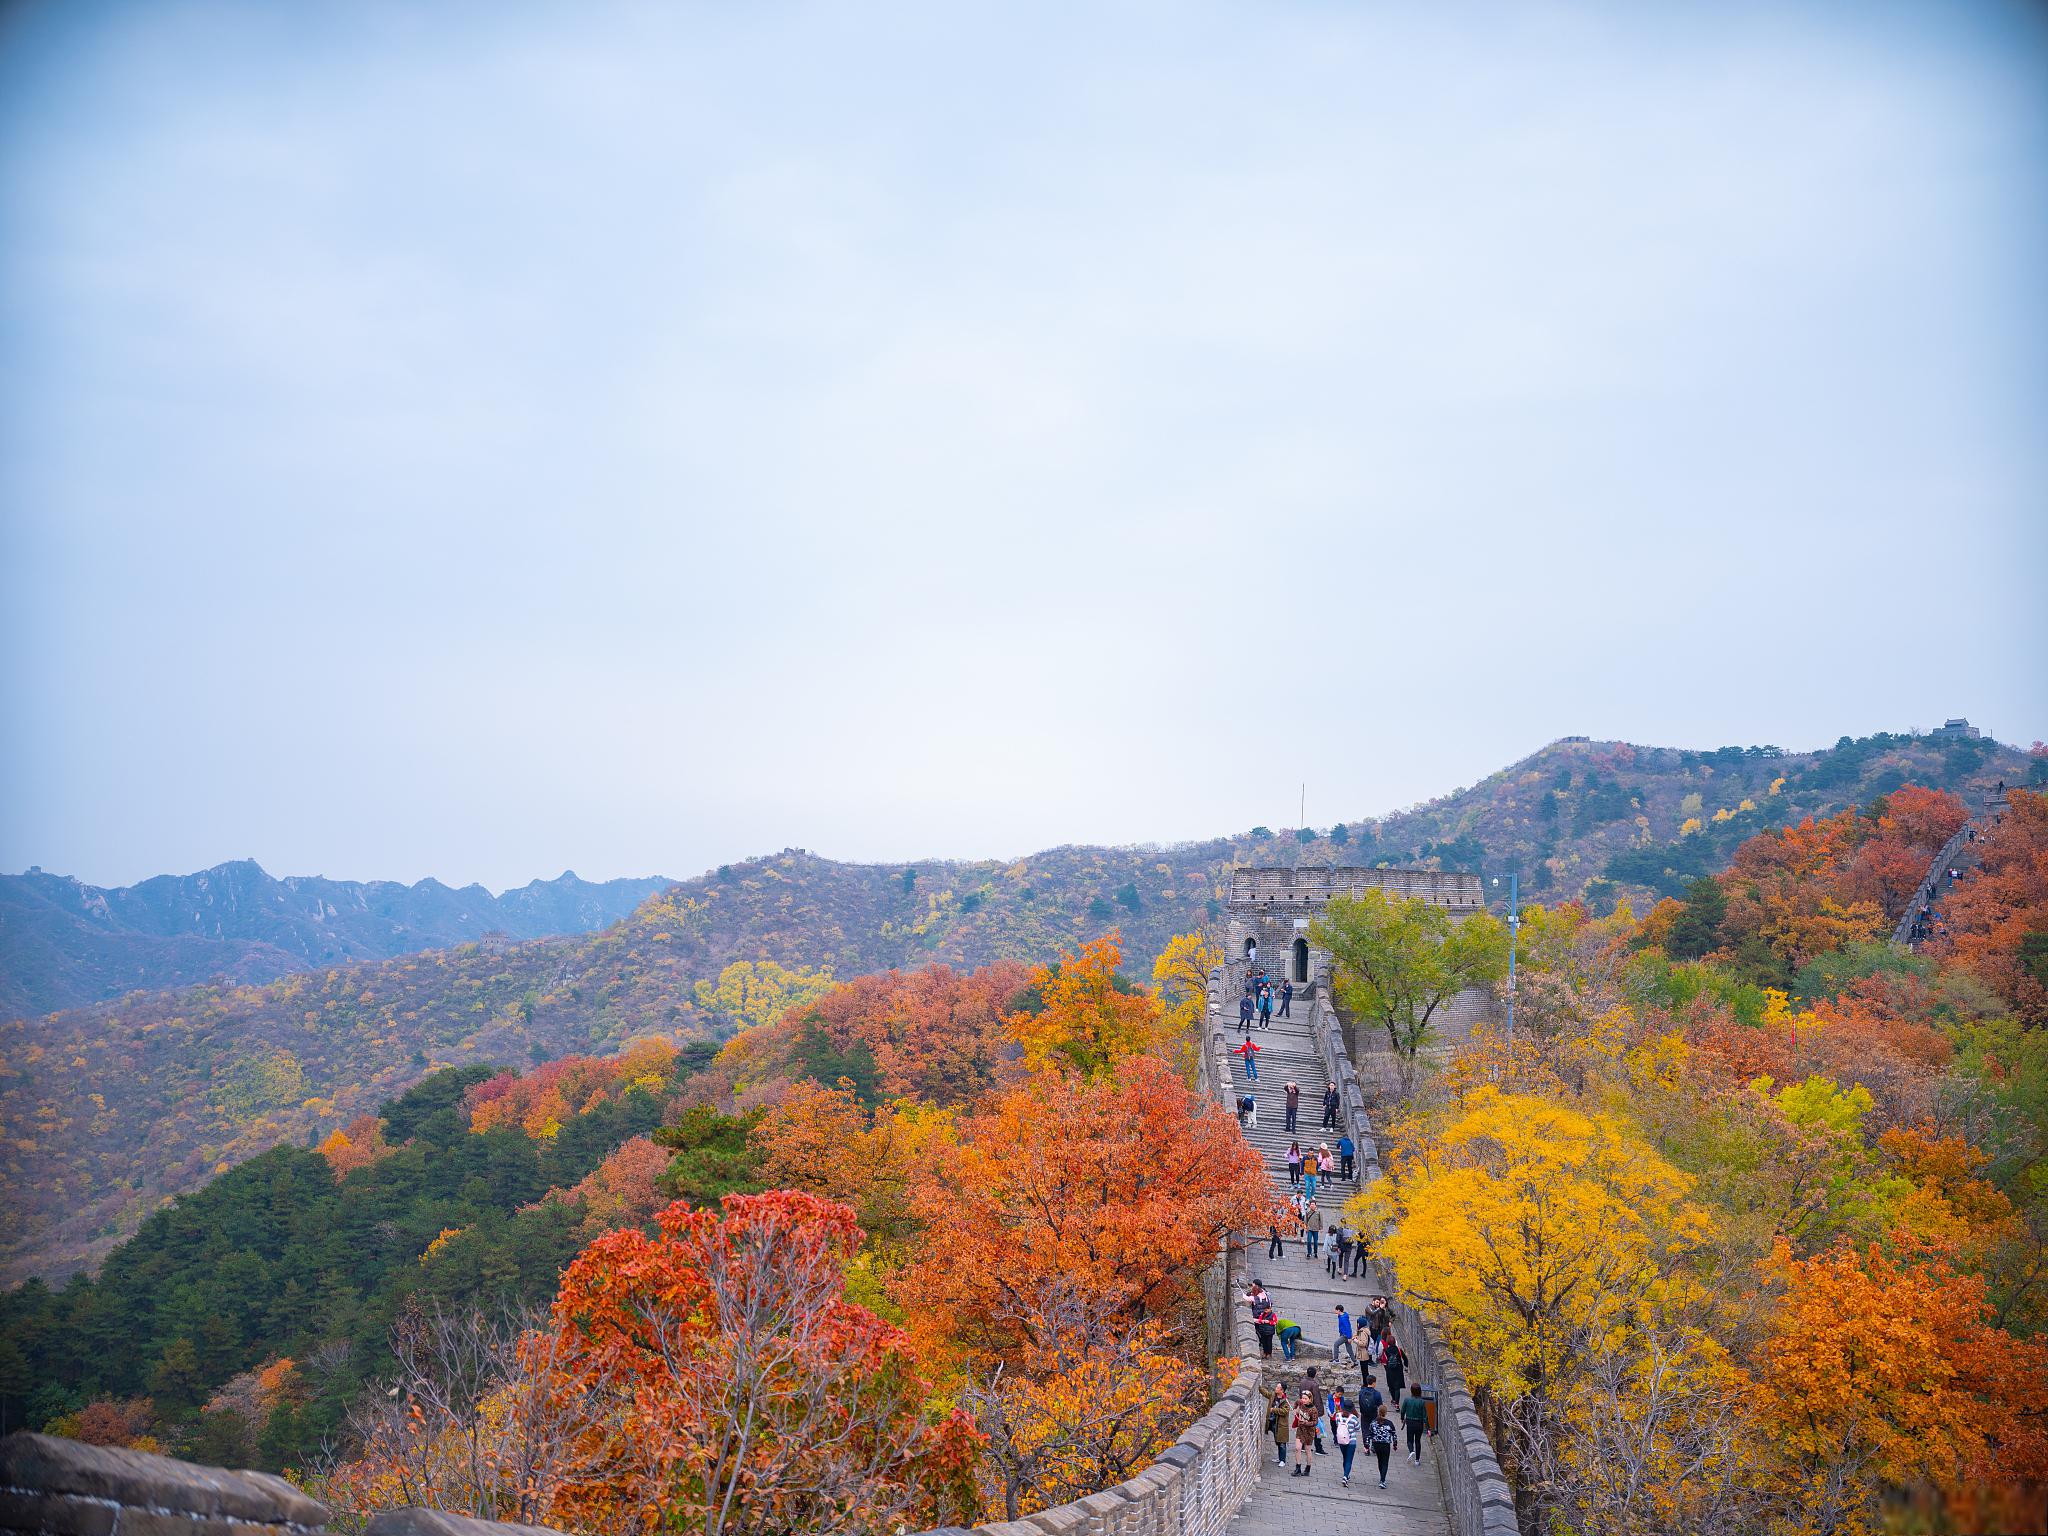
763	1401
1998	918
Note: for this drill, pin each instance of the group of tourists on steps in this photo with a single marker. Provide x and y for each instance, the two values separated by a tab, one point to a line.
1299	1415
1258	1000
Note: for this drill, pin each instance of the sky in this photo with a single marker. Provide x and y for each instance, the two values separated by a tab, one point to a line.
478	440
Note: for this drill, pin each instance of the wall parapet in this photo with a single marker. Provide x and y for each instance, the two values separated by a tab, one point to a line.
51	1486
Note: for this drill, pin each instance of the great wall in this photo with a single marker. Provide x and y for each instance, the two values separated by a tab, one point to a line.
1213	1479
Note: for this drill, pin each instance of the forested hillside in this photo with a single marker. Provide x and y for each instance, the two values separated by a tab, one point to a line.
1754	1204
64	943
107	1110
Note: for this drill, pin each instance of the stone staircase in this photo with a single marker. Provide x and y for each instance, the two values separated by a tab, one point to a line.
1413	1502
1287	1053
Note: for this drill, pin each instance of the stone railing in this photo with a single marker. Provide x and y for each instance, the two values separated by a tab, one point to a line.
1476	1491
65	1488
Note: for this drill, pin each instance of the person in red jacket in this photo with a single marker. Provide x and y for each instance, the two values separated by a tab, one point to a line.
1250	1053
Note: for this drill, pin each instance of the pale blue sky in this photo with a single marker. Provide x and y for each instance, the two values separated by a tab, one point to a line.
474	440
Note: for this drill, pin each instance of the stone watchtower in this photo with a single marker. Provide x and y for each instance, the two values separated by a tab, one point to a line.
1272	908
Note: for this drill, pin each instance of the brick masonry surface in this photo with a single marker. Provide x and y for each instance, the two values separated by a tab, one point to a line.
55	1487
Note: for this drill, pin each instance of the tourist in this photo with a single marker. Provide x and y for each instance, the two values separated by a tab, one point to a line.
1273	1249
1244	1014
1311	1231
1250	1052
1347	1154
1307	1413
1344	1425
1394	1363
1369	1399
1359	1254
1379	1319
1344	1345
1293	1161
1309	1170
1278	1413
1415	1419
1265	1008
1382	1440
1331	1100
1289	1335
1293	1105
1286	999
1340	1251
1266	1321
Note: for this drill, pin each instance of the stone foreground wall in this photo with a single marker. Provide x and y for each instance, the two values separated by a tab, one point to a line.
56	1487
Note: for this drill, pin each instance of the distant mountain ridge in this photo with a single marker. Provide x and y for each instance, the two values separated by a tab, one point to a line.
64	943
107	1110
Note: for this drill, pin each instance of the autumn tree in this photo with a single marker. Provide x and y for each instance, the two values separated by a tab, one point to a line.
762	1401
1532	1231
823	1141
1885	1374
1086	1017
481	1417
1181	974
1122	1185
1998	917
1091	1400
1400	959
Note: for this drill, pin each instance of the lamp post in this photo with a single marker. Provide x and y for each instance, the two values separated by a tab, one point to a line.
1514	929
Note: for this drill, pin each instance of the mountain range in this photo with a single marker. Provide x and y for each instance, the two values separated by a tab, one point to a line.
108	1109
64	943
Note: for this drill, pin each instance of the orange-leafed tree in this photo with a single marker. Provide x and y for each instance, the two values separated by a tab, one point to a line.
1886	1374
1998	917
623	1190
1088	1018
1121	1185
1092	1400
762	1400
823	1141
357	1145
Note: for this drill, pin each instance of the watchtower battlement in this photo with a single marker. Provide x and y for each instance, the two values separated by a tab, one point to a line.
1257	890
1269	911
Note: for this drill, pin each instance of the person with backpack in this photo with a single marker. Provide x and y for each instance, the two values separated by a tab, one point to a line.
1415	1419
1278	1414
1369	1399
1345	1426
1344	1342
1307	1414
1382	1433
1250	1052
